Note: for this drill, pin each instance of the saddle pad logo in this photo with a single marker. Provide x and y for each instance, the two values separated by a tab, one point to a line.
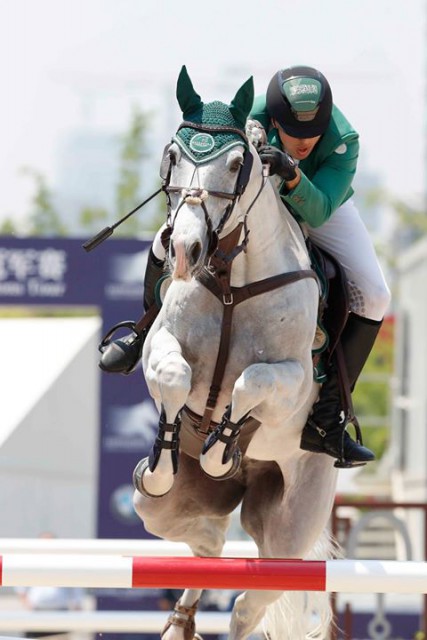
202	142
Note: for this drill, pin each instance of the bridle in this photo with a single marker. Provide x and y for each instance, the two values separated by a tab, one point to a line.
198	196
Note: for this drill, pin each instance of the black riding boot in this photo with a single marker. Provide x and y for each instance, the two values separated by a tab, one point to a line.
325	429
123	354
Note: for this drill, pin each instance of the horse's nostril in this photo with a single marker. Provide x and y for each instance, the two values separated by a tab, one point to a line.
196	252
172	250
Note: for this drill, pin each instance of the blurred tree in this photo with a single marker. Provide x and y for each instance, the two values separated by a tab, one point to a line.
8	227
159	215
44	220
132	154
372	396
411	221
91	217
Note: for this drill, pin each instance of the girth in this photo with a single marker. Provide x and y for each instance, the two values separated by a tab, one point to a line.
217	281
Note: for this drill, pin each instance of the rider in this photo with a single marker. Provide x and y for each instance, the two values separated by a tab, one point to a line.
314	149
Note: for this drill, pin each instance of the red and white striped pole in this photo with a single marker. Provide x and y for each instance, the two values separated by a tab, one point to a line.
100	571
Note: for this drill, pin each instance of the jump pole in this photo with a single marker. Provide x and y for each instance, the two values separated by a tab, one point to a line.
123	547
347	576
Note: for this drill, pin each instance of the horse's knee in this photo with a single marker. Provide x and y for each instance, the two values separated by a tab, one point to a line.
270	378
174	373
255	378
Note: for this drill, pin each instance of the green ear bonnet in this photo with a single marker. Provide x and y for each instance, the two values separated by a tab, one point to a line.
205	132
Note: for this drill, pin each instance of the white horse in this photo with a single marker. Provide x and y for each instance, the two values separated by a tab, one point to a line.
236	441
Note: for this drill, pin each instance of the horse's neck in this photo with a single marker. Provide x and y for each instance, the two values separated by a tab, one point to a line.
276	244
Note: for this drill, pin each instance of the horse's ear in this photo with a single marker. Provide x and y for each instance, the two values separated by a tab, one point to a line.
242	102
188	99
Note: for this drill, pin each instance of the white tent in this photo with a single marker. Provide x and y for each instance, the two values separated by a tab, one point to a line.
49	417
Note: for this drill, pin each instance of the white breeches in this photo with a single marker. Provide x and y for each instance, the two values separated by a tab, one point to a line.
346	238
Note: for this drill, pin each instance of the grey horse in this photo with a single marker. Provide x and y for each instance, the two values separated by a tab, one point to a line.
236	443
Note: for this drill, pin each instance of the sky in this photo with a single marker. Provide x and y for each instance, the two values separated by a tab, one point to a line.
72	64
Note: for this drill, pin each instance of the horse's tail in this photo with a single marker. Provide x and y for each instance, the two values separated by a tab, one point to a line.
303	615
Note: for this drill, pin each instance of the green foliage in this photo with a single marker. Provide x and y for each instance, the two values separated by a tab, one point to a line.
411	221
92	217
372	396
8	227
128	187
160	213
44	220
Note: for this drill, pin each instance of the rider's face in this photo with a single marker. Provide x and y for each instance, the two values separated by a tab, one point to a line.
298	148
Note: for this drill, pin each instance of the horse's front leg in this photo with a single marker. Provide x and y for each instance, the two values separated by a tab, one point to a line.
275	389
168	378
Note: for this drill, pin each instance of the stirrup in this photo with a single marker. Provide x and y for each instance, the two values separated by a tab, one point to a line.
342	462
123	354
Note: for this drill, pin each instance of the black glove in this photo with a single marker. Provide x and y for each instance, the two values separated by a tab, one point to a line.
280	162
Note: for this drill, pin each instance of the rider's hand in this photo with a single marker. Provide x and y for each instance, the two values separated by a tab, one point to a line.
280	162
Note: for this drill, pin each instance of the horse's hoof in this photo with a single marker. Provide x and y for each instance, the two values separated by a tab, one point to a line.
137	477
235	468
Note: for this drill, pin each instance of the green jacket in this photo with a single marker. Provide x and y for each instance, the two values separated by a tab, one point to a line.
327	173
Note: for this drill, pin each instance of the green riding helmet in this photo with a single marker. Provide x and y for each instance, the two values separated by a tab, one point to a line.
300	100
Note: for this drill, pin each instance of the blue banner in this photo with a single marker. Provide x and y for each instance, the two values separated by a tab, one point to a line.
58	272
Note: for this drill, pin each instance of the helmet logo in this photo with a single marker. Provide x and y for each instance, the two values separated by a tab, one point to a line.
202	143
301	89
304	96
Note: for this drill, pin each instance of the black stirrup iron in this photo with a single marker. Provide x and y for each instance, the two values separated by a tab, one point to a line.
121	355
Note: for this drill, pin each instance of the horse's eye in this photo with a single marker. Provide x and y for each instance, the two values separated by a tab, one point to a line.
235	165
234	161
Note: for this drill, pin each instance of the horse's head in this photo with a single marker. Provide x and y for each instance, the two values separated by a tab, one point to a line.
205	171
